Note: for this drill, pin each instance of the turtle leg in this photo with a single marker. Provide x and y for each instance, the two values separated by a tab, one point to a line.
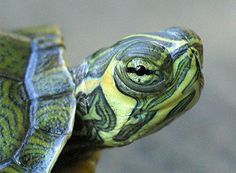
87	165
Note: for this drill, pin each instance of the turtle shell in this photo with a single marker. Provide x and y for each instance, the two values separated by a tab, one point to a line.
37	103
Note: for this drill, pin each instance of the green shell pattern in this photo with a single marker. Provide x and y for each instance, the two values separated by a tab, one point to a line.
37	101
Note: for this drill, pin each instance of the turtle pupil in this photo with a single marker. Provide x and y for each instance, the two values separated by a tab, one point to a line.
140	70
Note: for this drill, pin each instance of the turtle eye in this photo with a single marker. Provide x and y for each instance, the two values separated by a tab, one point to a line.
142	72
143	68
139	70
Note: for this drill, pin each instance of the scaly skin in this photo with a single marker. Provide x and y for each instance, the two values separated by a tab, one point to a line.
123	92
137	86
120	103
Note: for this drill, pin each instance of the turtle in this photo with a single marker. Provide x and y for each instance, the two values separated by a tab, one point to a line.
52	115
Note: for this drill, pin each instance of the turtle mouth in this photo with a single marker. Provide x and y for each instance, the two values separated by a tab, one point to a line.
200	67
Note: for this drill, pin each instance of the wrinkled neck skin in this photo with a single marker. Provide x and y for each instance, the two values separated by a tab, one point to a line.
136	87
89	95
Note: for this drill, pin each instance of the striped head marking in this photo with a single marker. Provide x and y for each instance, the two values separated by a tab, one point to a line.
139	85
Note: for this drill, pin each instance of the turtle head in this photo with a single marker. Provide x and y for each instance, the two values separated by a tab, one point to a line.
138	86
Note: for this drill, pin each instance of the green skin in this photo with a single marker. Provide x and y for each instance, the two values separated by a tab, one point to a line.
117	95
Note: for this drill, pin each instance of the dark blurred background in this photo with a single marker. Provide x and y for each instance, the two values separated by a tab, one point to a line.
201	141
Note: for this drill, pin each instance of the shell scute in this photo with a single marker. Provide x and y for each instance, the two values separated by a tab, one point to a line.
14	118
37	103
14	56
47	73
54	116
